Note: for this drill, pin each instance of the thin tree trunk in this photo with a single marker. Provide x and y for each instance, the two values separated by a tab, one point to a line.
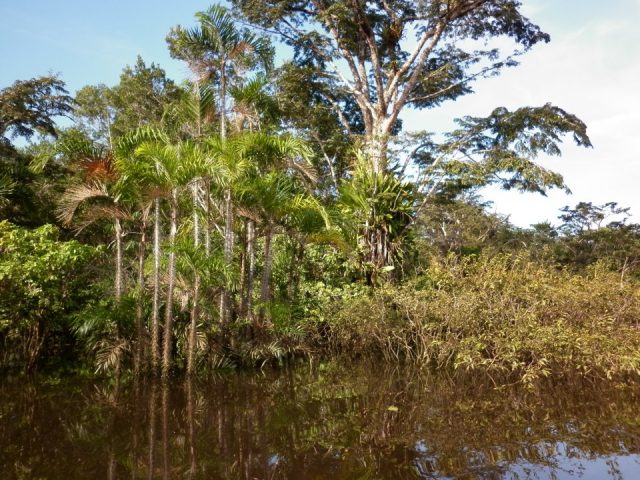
168	319
155	316
251	269
223	103
243	268
207	210
142	246
191	354
265	290
118	281
228	254
224	297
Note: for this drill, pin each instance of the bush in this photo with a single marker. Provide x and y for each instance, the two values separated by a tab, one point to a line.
504	314
42	281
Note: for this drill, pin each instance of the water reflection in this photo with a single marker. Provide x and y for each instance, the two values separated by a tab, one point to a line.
333	422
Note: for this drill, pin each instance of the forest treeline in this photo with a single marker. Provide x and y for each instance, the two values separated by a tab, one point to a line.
258	212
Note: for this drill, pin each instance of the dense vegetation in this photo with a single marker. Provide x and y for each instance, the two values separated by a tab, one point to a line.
257	212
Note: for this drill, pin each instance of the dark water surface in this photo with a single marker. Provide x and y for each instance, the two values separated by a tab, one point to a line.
355	422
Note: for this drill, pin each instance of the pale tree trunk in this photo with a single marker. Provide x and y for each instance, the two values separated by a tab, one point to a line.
265	289
243	268
168	319
228	254
228	212
191	354
223	103
118	281
377	145
251	269
118	284
207	211
142	246
155	315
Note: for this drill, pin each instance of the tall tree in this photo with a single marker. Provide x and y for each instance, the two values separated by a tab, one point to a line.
141	97
218	50
28	109
173	165
389	54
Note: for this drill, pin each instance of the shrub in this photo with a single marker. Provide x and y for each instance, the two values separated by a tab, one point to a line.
42	280
504	314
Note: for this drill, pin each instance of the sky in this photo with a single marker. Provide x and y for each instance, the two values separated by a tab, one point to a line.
590	68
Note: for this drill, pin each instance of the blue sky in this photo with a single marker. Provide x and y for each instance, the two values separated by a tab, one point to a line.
590	68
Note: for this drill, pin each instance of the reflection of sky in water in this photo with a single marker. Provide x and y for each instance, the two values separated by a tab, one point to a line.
561	462
569	463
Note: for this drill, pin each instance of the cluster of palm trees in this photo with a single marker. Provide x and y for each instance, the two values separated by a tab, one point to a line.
191	187
194	198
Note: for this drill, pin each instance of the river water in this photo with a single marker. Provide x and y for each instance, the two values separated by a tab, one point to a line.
318	422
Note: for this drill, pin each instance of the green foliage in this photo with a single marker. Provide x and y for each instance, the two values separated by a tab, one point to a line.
42	282
29	107
253	242
139	99
503	314
375	211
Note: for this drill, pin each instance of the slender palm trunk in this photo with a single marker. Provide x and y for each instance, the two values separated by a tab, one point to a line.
155	316
228	213
265	290
191	354
118	281
243	268
223	103
168	318
251	269
140	340
207	211
228	254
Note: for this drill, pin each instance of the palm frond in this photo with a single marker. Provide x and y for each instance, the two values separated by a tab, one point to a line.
75	195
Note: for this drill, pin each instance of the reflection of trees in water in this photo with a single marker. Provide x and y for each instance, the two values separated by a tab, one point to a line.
349	422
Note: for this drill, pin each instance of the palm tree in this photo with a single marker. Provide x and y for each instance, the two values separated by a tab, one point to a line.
254	107
101	192
173	171
272	193
218	49
145	174
230	167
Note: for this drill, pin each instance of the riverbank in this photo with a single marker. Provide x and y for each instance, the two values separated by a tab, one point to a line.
506	316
